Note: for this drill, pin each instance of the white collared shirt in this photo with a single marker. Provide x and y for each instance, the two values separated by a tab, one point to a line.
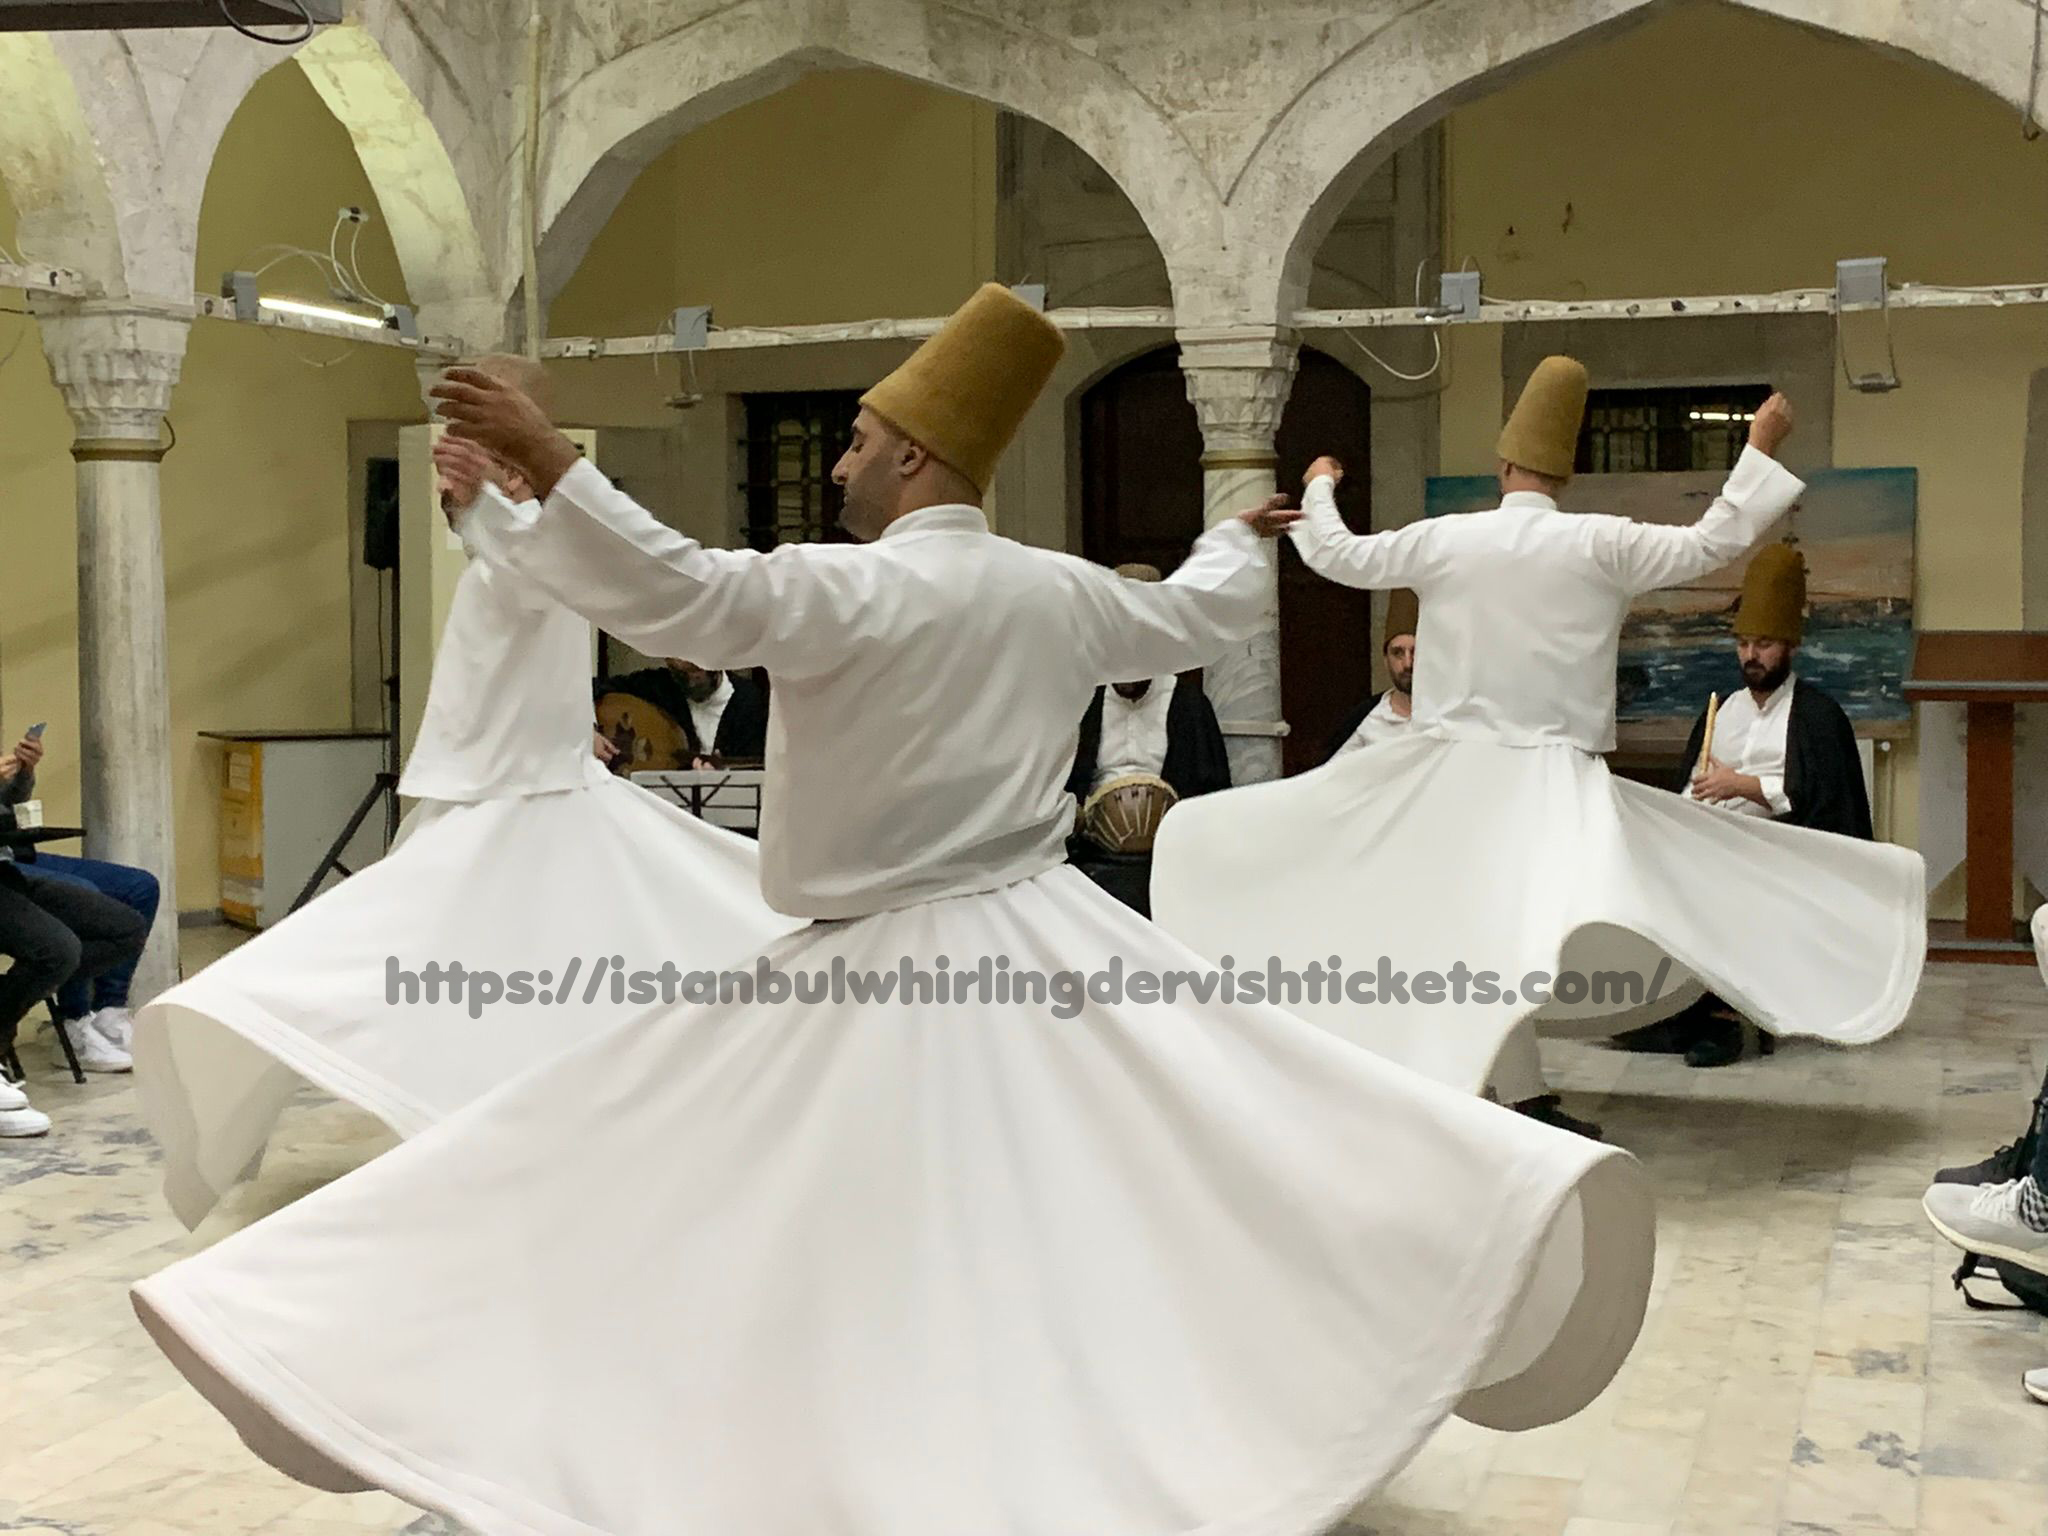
706	714
1750	738
1133	732
1380	724
929	686
1522	606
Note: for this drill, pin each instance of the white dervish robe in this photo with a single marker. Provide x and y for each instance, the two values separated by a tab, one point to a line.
521	854
1493	839
906	1266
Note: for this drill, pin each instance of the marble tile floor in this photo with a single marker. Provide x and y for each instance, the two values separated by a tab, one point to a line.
1806	1369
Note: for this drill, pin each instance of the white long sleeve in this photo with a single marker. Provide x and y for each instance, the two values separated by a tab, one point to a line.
1645	556
1401	557
598	552
505	585
1217	598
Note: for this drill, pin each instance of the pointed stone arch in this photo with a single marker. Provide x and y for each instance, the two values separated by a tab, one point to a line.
1439	55
610	123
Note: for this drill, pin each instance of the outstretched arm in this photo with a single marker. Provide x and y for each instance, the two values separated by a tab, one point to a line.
595	551
1402	557
1219	597
1645	556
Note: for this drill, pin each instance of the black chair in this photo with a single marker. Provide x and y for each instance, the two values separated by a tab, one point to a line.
12	1062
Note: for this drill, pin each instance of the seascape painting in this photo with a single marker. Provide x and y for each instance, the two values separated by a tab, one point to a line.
1855	527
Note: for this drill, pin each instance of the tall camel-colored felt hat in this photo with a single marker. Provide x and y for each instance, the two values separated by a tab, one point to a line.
1773	596
1543	432
965	392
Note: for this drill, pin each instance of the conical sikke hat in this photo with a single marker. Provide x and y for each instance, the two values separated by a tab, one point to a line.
1773	596
1543	432
1404	612
964	393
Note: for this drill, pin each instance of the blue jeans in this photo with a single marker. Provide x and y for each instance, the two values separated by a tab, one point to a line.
135	889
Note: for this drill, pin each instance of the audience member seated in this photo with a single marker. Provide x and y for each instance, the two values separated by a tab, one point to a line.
52	931
101	1003
1997	1210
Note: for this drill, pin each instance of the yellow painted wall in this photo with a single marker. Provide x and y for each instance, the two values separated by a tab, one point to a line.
849	195
255	511
1715	151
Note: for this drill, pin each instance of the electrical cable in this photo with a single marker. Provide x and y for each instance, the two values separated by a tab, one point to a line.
307	25
353	271
1436	366
1436	337
2030	125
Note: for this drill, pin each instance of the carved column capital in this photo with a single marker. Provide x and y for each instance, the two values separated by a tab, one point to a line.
116	363
1238	381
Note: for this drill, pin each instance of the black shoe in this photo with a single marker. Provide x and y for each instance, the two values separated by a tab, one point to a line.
1667	1037
1549	1109
2001	1167
1718	1044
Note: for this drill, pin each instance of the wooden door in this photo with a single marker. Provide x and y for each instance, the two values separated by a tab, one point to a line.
1141	500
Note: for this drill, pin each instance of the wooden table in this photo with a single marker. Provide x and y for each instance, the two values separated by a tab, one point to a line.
1989	672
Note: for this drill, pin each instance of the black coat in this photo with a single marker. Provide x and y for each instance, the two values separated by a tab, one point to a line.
1196	762
1349	728
1823	774
742	729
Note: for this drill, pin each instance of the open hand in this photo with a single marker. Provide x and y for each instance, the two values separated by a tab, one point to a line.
504	420
1324	466
1271	517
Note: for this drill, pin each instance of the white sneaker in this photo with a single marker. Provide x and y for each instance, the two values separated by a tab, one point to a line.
2036	1383
16	1118
96	1053
1986	1219
116	1026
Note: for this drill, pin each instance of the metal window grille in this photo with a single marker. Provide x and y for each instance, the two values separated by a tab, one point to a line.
791	443
1632	431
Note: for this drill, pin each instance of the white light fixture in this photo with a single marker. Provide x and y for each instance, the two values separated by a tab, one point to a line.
322	312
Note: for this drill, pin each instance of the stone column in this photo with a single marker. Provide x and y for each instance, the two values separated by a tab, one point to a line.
115	363
1238	381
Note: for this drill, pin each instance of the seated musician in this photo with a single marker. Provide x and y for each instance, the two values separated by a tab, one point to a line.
1161	729
1384	716
1782	749
719	717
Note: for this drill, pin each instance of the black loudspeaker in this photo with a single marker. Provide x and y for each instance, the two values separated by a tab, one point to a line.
380	515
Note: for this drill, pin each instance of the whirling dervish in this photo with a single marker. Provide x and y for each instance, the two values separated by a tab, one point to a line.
916	1265
522	855
1489	849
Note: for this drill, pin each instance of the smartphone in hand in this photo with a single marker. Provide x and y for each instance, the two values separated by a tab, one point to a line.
35	732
